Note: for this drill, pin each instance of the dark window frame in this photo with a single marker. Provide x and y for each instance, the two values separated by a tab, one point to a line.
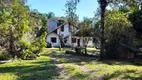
62	28
55	31
53	39
73	40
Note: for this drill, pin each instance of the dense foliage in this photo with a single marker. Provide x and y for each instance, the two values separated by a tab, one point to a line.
117	26
136	20
22	31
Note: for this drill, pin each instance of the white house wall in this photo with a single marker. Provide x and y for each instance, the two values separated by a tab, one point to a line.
75	44
69	41
53	35
90	43
65	32
81	42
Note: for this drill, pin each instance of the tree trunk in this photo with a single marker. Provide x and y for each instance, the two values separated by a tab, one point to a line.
59	48
60	44
72	36
11	43
85	50
102	53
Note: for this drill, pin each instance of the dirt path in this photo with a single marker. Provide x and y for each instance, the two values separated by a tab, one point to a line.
63	75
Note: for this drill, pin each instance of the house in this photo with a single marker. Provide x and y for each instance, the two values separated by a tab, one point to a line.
64	34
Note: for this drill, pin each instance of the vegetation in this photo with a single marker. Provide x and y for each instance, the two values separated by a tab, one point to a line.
111	28
54	64
40	69
71	7
85	27
72	18
16	24
23	40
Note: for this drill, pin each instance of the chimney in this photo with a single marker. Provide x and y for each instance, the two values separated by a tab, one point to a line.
52	24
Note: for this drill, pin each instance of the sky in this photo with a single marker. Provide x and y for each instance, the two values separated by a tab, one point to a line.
85	8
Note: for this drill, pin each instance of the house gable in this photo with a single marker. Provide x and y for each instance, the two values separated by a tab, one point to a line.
53	38
64	29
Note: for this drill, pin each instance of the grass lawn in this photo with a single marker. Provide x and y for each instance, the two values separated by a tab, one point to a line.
41	69
55	65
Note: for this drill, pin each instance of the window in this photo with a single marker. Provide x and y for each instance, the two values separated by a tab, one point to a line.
53	39
62	28
73	40
55	31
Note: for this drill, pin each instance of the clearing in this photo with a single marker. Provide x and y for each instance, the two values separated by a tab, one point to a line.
56	65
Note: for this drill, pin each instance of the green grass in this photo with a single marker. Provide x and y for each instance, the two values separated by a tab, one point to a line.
116	70
40	69
74	67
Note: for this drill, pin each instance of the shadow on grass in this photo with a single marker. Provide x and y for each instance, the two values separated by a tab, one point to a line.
79	76
40	73
41	70
123	62
126	75
69	58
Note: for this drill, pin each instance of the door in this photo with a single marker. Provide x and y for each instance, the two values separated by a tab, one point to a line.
78	42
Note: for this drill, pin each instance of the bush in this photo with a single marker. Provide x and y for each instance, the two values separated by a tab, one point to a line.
4	55
28	55
29	50
49	45
111	50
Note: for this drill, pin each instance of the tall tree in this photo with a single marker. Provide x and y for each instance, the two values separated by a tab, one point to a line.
103	5
85	27
71	7
51	15
16	25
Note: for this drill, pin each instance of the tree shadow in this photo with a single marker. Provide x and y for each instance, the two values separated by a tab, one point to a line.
126	75
123	62
41	70
69	58
40	73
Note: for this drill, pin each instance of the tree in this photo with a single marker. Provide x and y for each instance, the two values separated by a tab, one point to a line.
85	27
136	20
16	25
116	23
118	31
51	15
22	31
38	22
61	20
103	5
71	7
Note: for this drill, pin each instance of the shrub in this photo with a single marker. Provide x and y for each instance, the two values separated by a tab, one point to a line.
29	50
111	50
28	54
4	55
49	45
